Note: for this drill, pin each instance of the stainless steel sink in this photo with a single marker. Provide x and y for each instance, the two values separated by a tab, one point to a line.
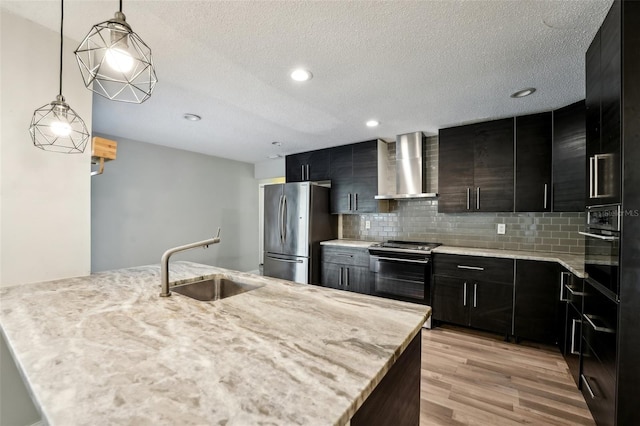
214	288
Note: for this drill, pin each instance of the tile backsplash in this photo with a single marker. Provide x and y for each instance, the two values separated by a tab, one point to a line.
419	220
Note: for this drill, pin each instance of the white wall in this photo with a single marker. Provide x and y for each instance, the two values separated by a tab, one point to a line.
269	169
45	196
153	197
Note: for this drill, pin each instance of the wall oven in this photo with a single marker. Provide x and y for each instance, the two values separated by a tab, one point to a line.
602	248
402	270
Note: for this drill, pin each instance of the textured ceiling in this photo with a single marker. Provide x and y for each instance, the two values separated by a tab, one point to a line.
412	65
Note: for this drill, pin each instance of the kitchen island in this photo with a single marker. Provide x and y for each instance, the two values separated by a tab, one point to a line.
106	349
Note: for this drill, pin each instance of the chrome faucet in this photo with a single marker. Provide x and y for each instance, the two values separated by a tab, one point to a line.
164	262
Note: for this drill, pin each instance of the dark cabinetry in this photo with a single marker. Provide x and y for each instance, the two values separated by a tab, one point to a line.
354	178
537	311
473	291
569	154
345	268
476	167
533	162
308	166
603	111
571	332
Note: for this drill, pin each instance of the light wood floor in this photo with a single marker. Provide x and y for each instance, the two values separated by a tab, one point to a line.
472	378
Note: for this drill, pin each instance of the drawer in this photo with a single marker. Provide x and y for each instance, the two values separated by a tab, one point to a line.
598	388
600	317
571	289
345	256
474	267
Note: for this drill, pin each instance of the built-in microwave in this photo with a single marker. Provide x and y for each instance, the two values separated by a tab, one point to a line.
602	248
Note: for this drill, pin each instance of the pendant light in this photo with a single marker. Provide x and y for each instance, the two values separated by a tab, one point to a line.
55	126
115	62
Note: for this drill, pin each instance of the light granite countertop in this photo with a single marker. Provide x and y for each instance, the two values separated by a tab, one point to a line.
348	243
106	349
574	263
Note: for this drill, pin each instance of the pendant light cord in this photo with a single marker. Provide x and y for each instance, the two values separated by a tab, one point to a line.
120	5
61	43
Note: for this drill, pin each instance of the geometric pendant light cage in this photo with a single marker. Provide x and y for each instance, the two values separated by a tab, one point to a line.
115	62
56	126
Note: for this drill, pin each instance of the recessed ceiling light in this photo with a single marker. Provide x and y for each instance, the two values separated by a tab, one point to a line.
192	117
301	75
524	92
274	156
276	143
372	123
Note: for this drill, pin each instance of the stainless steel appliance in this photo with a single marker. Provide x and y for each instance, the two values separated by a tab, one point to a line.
602	248
402	270
296	219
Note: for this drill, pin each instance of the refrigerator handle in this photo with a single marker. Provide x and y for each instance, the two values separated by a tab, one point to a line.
280	218
284	218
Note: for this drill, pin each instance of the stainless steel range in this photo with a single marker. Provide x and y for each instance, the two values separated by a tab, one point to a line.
402	270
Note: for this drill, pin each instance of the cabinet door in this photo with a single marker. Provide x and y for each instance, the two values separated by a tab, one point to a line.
493	166
533	163
593	91
332	275
294	167
569	158
610	132
358	279
365	177
537	301
455	169
491	306
341	174
450	301
318	165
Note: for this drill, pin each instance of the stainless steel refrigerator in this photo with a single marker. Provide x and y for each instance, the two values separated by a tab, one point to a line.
296	220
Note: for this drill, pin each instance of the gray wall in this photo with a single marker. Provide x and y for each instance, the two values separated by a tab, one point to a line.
152	198
419	220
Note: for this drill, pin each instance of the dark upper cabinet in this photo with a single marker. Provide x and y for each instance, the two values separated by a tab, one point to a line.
308	166
455	169
603	100
569	156
476	167
354	178
537	312
534	138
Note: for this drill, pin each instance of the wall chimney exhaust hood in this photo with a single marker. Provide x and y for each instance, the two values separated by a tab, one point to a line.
411	179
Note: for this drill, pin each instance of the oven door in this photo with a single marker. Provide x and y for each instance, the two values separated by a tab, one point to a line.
601	258
402	278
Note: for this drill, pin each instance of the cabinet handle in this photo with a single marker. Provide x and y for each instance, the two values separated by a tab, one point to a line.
341	275
343	254
473	268
545	196
573	292
349	202
588	386
468	198
302	172
464	294
475	295
562	286
573	337
478	198
590	319
308	178
355	201
599	236
346	277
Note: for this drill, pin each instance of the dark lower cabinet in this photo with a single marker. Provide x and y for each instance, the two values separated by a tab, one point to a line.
537	310
473	291
345	268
